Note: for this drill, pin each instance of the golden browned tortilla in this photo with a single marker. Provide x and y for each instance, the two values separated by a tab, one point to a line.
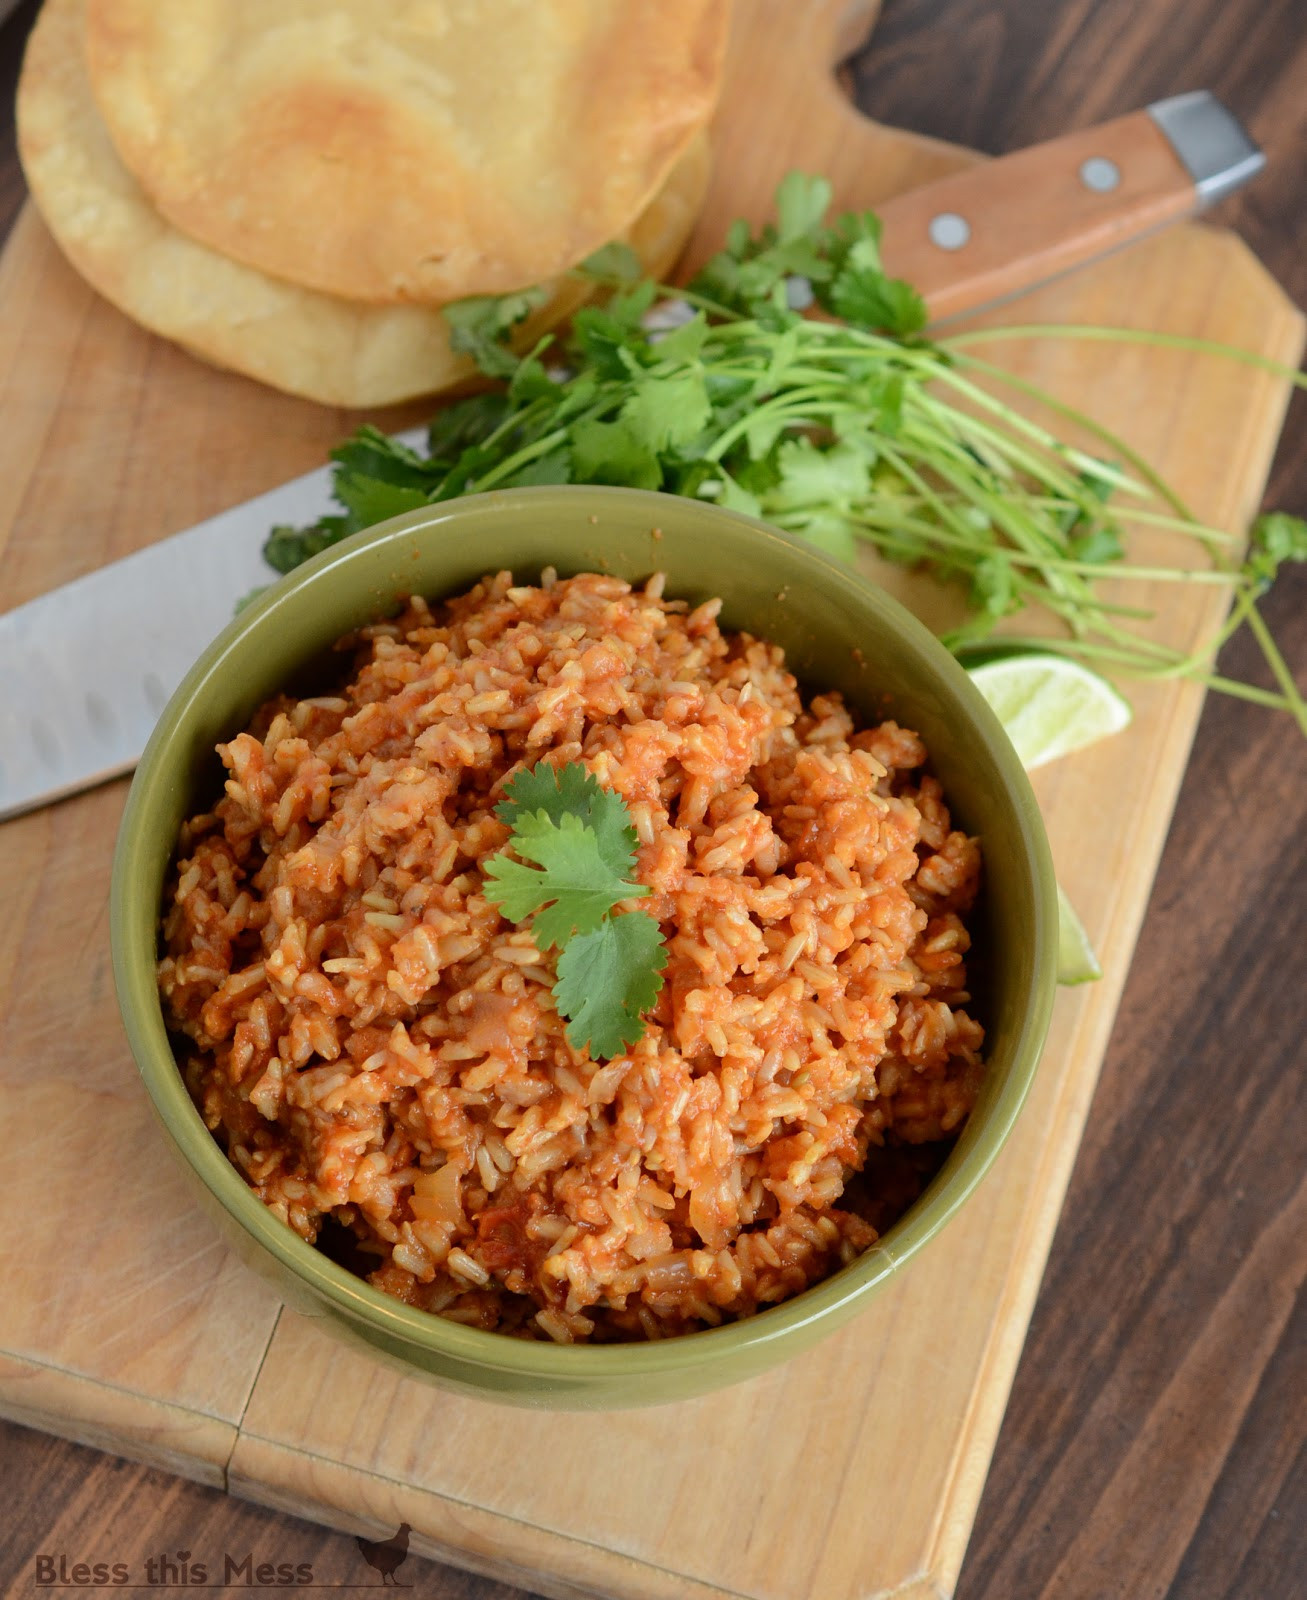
324	348
421	150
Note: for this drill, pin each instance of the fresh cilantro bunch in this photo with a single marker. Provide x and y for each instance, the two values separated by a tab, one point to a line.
823	427
845	429
580	844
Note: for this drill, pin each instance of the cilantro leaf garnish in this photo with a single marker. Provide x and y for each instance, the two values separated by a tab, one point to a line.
557	791
573	885
570	790
607	979
579	839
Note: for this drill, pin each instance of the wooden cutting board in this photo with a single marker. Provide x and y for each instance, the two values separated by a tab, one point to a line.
853	1472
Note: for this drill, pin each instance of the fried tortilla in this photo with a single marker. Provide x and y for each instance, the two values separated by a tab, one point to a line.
419	151
306	343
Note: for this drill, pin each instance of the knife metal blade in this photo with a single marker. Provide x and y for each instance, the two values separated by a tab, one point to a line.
88	668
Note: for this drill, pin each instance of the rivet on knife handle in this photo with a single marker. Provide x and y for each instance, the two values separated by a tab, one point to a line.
980	236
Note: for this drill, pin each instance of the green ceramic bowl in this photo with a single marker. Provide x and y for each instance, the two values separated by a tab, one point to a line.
839	631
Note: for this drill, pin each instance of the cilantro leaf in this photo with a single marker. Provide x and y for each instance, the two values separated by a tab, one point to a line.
466	422
480	326
813	477
613	452
859	227
286	548
371	500
749	275
373	454
582	872
1087	537
667	411
830	532
735	497
841	263
684	343
1099	544
553	467
571	889
992	588
554	790
613	260
580	838
1276	537
863	295
801	205
762	430
1281	535
607	979
610	338
530	380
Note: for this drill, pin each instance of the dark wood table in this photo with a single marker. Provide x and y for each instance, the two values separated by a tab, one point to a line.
1154	1444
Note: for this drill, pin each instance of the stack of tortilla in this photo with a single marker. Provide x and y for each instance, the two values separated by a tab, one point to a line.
293	189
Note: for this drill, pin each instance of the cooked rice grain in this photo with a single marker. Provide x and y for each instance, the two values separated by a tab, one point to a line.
378	1050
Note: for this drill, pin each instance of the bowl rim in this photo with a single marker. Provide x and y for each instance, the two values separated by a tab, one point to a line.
134	950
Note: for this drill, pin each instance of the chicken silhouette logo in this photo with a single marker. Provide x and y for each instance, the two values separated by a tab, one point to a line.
387	1555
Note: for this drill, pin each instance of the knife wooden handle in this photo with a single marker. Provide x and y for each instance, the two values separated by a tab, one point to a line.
984	235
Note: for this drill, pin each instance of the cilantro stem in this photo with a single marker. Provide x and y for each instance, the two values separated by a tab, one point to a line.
1278	666
1101	335
795	405
1081	419
1128	662
884	523
1153	519
521	458
1016	423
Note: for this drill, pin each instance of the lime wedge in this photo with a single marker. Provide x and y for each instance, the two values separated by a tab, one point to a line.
1076	961
1050	705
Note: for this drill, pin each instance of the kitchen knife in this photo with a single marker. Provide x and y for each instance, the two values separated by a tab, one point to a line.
87	668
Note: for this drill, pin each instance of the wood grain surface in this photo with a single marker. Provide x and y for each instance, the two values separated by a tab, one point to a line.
1153	1444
